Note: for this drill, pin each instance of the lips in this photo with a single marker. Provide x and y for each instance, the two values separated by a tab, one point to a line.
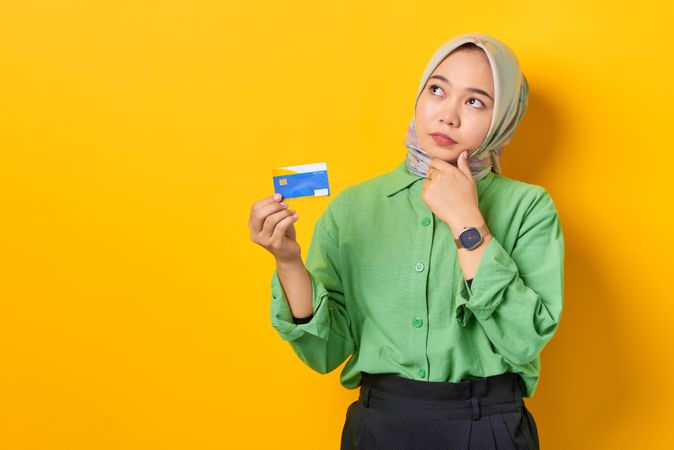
442	139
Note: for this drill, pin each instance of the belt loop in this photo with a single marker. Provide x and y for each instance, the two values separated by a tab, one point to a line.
476	408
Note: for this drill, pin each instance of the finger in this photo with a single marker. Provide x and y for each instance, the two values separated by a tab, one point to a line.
260	213
267	201
272	221
462	164
440	165
282	227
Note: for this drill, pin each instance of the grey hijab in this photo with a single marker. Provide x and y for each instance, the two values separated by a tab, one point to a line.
510	103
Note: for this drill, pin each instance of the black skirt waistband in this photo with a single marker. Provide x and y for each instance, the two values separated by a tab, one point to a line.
469	398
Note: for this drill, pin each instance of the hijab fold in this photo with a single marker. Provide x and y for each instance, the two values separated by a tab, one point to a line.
510	103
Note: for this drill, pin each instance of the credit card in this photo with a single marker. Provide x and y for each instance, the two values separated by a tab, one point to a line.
307	180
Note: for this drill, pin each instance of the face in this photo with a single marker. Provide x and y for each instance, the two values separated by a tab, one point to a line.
456	101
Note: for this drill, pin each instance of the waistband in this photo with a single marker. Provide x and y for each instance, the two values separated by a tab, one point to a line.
467	399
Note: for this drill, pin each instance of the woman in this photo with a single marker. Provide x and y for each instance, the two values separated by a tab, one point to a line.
442	278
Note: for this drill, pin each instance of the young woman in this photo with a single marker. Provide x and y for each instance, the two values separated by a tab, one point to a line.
443	278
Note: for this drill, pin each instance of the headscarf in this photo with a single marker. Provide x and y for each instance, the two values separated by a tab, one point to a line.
510	103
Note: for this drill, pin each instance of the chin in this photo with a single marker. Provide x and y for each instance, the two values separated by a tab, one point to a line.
451	156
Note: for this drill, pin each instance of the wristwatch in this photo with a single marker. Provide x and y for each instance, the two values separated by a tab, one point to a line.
471	237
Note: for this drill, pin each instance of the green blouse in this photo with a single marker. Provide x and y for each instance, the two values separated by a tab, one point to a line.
388	288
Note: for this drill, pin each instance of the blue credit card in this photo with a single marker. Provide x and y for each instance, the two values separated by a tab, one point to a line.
307	180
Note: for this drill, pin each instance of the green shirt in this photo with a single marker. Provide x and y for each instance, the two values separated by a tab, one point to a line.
389	290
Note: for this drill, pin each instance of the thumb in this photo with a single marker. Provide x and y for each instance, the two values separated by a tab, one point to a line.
462	164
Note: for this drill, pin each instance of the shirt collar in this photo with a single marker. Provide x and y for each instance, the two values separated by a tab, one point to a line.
401	178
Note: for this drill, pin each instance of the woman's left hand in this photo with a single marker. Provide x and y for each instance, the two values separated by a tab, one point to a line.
451	193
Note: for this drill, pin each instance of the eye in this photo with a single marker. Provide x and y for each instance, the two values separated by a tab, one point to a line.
433	86
473	98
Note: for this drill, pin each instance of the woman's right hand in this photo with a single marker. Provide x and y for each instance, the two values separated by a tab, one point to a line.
272	226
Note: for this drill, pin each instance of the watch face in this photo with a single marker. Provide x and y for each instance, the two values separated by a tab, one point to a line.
470	238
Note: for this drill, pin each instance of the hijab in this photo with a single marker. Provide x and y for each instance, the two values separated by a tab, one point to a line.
510	103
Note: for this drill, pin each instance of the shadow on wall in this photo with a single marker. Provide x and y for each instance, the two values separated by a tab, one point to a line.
586	366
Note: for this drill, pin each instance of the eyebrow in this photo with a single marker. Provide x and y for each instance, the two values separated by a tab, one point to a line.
479	91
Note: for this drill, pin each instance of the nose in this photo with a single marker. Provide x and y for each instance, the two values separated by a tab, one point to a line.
450	114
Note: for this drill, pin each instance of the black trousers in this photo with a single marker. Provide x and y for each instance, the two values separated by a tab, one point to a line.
396	413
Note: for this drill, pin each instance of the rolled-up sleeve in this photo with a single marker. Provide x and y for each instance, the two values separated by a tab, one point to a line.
324	341
517	297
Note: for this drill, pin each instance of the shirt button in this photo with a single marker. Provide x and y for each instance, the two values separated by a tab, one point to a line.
426	221
422	373
417	322
419	267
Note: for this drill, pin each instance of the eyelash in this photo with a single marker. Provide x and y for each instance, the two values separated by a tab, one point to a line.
433	86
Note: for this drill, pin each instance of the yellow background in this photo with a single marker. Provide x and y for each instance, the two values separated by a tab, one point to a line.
135	136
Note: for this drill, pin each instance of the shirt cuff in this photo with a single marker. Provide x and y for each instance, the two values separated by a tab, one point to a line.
282	319
484	292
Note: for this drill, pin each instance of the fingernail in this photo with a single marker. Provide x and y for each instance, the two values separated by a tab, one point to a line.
277	196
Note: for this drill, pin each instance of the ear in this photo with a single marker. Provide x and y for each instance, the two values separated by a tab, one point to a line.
507	141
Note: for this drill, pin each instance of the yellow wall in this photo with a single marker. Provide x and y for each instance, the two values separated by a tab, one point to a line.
134	137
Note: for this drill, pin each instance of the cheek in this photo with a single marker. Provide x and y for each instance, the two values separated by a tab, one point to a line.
424	114
477	126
